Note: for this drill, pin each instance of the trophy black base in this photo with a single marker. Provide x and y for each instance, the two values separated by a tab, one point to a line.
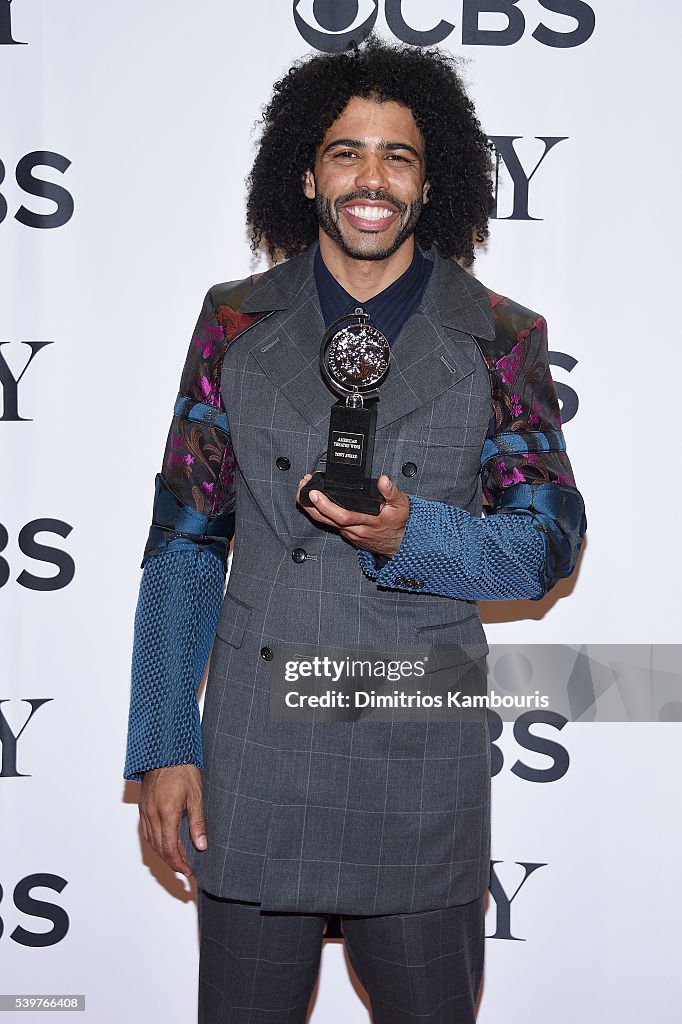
370	501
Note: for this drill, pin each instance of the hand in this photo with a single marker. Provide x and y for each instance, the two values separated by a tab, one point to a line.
381	534
164	795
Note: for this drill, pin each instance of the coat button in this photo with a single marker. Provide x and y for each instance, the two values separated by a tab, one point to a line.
266	654
299	555
409	469
406	581
283	462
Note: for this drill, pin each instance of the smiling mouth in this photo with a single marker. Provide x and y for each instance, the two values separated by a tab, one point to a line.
376	217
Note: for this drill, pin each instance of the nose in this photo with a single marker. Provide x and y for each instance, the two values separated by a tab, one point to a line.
372	173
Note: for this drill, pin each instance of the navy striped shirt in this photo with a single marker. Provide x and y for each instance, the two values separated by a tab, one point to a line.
388	310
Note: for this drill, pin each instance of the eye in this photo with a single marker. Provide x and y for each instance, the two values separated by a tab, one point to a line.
330	25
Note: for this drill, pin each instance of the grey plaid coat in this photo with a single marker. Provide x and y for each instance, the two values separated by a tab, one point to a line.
345	817
354	816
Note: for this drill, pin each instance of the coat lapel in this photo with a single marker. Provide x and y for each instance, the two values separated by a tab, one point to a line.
431	354
288	350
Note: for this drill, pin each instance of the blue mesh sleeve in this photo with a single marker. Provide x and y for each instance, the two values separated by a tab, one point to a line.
177	610
447	551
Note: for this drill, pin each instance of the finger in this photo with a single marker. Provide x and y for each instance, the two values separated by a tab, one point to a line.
154	832
316	515
301	484
364	539
339	516
357	536
303	481
197	824
170	844
181	848
387	488
313	514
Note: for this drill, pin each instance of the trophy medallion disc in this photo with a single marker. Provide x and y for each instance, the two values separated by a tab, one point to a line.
354	358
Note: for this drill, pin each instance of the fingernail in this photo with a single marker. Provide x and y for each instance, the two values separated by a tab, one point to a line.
314	496
201	843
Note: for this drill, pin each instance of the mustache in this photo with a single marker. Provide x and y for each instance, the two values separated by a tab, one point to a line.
365	193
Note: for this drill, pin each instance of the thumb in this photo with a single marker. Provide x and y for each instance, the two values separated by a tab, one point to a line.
387	488
197	825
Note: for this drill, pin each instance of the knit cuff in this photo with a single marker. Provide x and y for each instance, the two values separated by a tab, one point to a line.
177	611
447	551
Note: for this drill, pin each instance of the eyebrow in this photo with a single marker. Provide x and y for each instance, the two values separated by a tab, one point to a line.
359	144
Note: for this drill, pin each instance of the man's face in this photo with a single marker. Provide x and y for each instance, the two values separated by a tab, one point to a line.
369	181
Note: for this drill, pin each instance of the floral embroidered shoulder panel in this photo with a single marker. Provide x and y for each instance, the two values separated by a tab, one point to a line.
525	450
194	496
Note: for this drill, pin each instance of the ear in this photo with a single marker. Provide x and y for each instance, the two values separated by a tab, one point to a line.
308	182
426	188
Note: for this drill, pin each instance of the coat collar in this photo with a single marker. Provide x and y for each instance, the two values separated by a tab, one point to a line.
427	358
280	287
459	300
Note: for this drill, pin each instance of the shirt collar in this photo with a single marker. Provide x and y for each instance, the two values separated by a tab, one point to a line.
388	310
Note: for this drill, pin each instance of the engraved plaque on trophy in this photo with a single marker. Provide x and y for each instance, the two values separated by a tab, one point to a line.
354	361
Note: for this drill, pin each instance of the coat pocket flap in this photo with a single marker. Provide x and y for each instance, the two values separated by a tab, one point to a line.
457	642
234	617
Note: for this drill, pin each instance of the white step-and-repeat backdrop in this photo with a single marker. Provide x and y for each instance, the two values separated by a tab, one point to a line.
126	132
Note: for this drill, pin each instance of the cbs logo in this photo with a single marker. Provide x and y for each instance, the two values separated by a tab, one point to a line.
330	25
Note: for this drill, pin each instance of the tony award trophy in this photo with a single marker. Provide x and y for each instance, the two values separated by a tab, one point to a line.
354	360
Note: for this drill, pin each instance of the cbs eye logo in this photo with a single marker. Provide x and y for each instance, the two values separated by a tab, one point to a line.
330	25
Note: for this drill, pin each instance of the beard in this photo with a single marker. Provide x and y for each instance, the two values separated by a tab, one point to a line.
329	220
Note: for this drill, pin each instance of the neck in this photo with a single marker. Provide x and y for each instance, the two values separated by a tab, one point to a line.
363	279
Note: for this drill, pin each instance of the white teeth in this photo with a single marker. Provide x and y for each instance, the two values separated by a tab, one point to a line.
370	212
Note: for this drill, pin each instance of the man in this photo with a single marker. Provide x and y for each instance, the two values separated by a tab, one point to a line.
372	178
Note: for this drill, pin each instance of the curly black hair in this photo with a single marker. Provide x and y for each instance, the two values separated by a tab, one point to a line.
310	97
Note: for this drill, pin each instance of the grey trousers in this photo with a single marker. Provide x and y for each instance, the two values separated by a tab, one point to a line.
257	967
